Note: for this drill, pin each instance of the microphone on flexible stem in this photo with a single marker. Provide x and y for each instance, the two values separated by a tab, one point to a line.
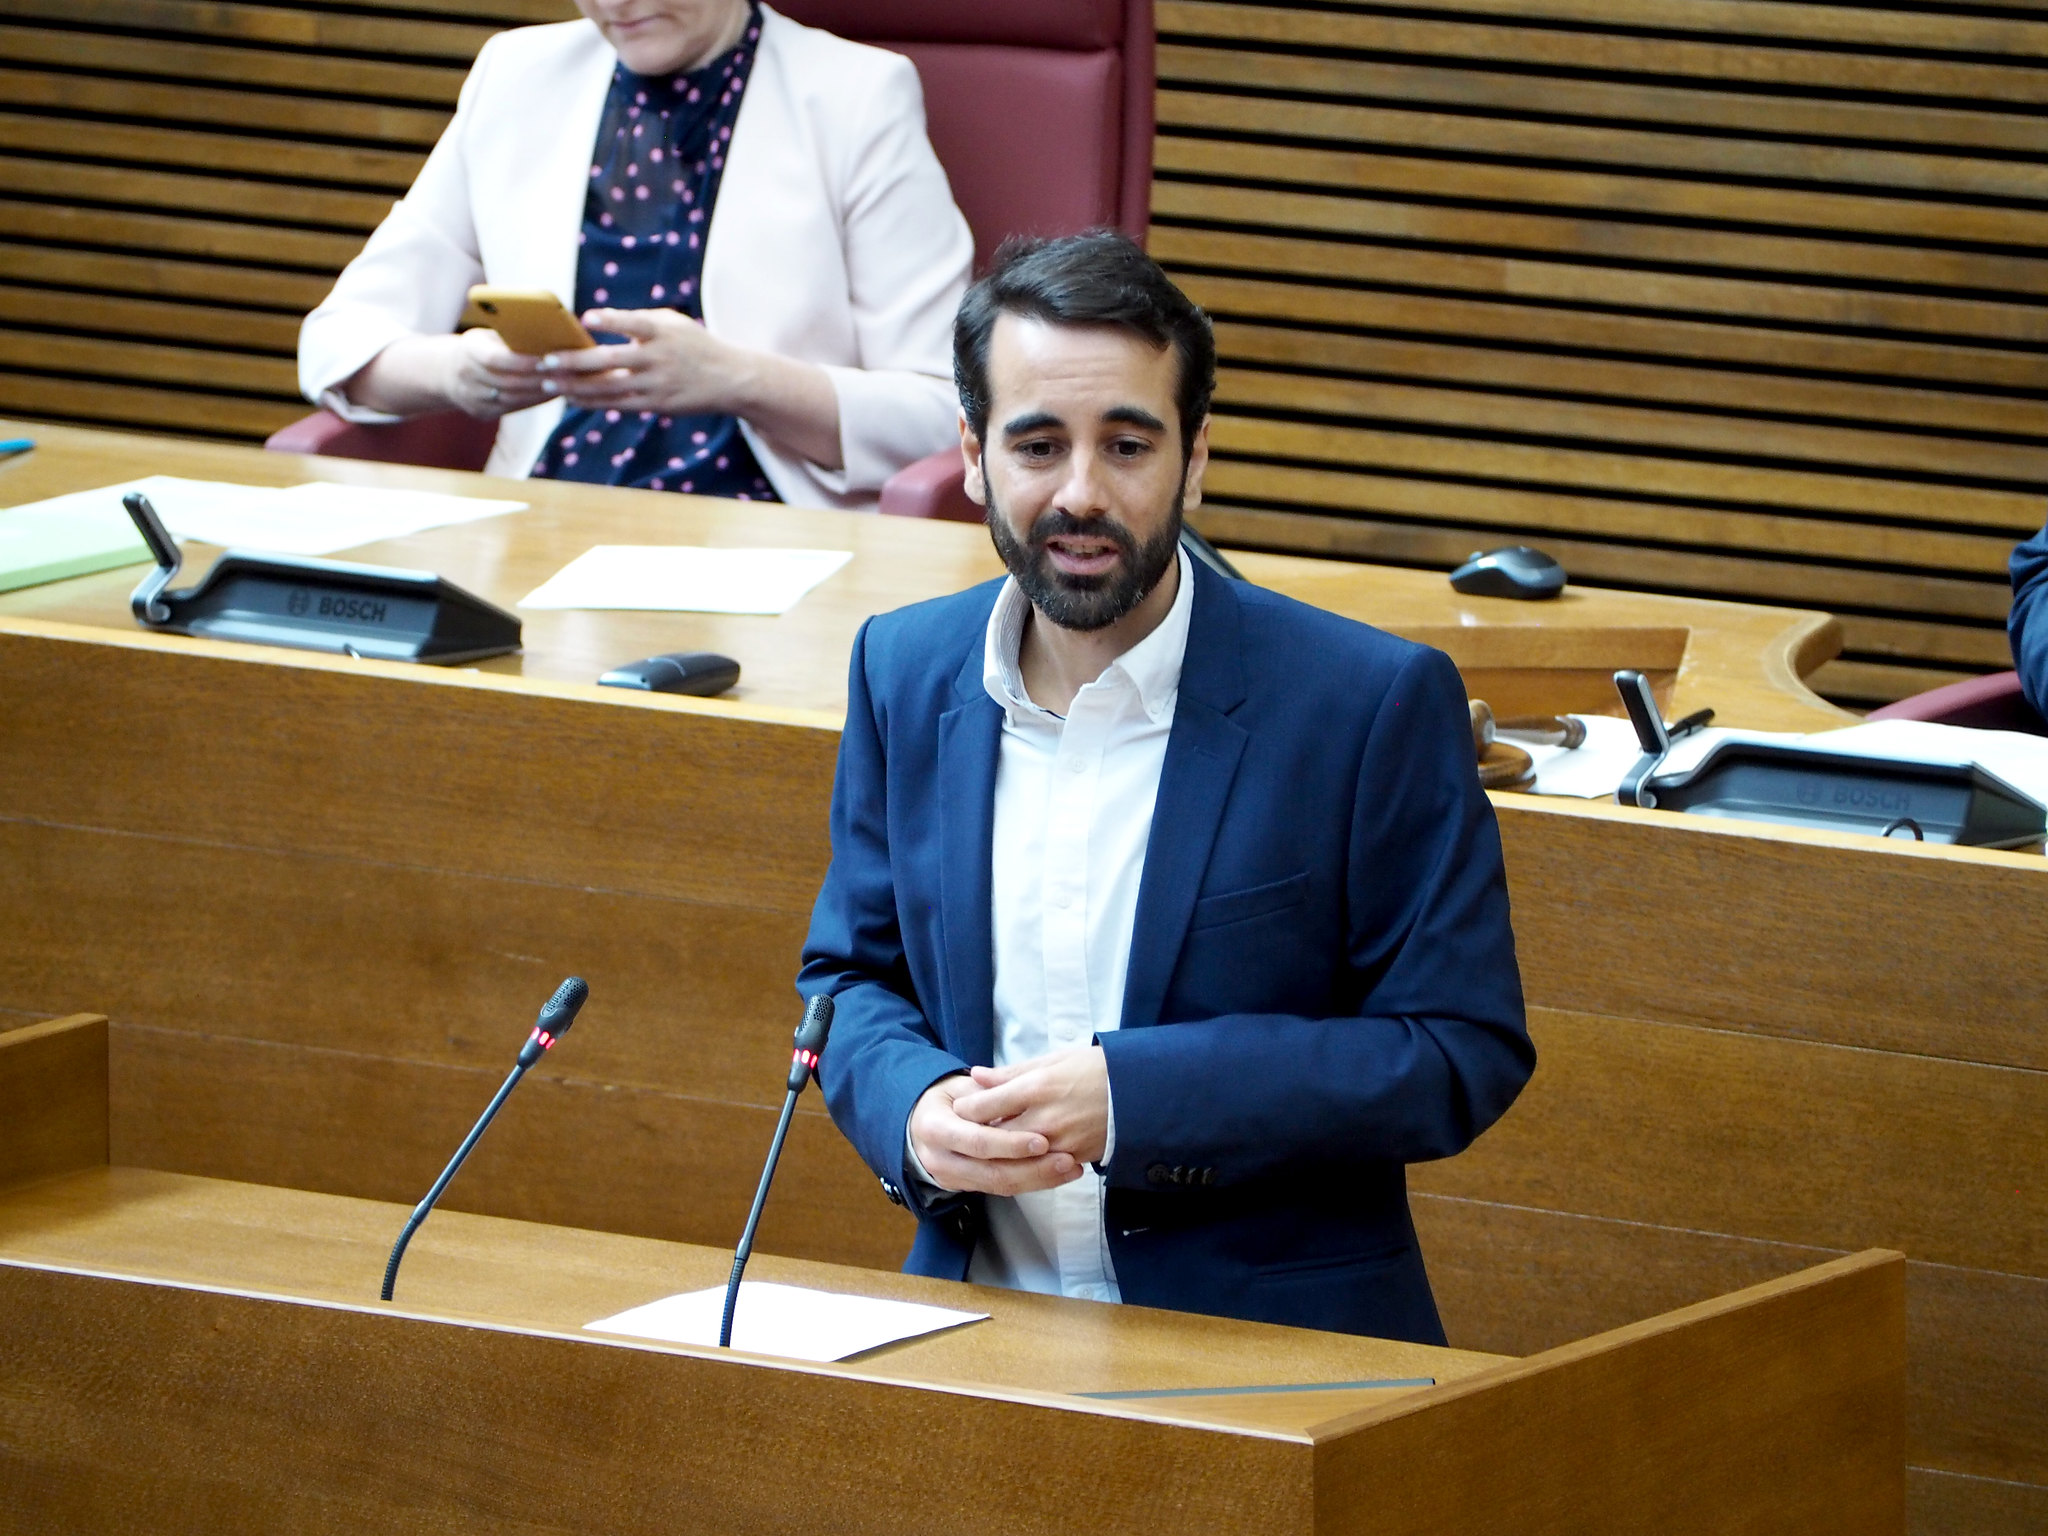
803	1065
556	1015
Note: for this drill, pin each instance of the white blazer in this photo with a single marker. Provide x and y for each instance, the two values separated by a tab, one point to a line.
835	240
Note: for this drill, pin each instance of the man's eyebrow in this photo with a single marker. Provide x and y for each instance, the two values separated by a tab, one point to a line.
1134	416
1030	421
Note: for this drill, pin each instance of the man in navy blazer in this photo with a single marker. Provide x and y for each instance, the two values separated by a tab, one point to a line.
1315	984
2028	625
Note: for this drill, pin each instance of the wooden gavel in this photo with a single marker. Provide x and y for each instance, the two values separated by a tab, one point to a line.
1503	765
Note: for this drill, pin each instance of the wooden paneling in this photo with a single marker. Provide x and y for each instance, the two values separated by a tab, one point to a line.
1644	286
198	172
1831	1409
569	1148
53	1097
689	995
1793	936
1515	1280
544	1431
722	809
1941	1501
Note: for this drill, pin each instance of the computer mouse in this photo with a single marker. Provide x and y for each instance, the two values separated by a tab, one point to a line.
1517	571
699	672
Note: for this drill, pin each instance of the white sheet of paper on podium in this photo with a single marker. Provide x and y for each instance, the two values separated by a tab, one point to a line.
786	1320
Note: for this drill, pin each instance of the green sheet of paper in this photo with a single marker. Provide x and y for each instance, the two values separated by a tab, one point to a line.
66	536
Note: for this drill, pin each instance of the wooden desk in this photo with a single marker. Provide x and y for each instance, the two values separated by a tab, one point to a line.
189	1354
1758	1047
1747	662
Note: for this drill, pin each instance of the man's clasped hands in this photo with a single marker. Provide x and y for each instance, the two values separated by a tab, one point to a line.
1008	1130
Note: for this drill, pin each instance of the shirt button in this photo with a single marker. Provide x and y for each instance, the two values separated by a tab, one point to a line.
1063	902
1075	765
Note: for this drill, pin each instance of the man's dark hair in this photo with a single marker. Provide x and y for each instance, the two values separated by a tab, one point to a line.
1102	277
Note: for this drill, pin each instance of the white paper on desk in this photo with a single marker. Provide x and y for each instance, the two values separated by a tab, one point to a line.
172	497
687	578
317	518
1593	768
786	1320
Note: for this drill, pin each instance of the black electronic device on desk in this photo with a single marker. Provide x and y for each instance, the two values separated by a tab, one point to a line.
1516	571
1802	784
371	611
702	673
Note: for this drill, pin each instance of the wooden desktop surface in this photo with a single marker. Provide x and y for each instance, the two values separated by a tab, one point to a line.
1745	662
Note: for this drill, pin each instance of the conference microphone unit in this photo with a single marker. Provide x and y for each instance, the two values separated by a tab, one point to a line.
803	1066
556	1015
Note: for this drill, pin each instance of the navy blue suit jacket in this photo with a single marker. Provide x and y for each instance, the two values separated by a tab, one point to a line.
2028	625
1322	984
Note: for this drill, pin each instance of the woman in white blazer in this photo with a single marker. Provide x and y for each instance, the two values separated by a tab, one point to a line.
831	264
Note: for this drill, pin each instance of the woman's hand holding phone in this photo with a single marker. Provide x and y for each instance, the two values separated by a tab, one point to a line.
671	365
473	372
487	379
667	363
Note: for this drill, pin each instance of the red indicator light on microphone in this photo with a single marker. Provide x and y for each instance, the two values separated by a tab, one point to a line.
547	1041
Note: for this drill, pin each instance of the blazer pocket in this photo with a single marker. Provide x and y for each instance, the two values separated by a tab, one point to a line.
1255	901
1374	1258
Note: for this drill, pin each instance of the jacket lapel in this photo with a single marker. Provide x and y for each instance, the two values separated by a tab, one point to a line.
969	737
1202	755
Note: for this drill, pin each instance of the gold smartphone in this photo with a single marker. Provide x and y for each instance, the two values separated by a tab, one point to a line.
532	321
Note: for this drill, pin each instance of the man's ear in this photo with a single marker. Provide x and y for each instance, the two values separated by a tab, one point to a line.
1198	464
970	455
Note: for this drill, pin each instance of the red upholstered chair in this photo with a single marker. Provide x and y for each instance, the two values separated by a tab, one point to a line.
1041	113
1992	703
443	440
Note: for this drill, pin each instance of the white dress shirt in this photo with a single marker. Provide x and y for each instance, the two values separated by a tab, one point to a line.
1073	815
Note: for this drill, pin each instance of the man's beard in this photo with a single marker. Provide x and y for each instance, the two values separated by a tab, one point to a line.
1084	602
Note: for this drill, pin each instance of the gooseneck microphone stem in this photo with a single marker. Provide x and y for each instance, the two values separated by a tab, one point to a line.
803	1066
746	1248
556	1015
419	1212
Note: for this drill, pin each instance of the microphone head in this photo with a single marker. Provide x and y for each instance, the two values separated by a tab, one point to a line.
817	1024
559	1011
810	1041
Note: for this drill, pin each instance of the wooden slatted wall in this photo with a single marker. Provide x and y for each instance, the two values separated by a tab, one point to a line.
1725	297
180	180
1731	297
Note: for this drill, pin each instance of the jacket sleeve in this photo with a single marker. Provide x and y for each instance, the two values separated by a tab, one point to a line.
1438	1047
908	255
883	1052
2028	625
412	277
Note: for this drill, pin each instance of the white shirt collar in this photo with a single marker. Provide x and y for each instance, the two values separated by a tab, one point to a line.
1152	666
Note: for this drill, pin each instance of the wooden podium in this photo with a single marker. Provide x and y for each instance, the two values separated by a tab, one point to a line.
191	1354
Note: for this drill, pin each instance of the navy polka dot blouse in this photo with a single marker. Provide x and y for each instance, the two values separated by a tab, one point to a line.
654	179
